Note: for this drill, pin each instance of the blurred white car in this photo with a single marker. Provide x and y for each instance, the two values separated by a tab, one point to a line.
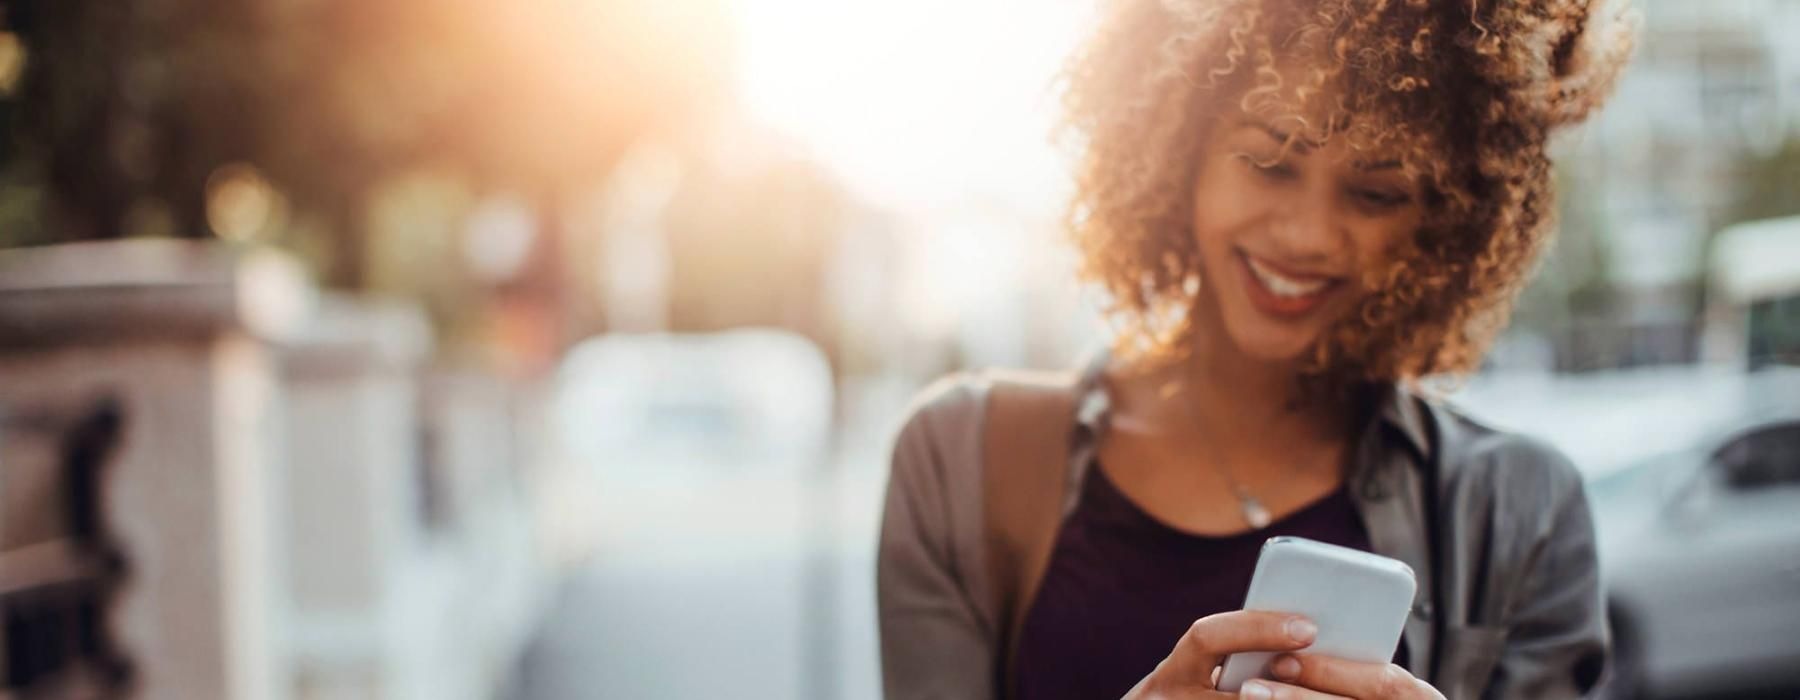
1700	552
682	406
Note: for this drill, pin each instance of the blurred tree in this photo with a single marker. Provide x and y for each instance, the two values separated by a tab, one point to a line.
126	109
127	114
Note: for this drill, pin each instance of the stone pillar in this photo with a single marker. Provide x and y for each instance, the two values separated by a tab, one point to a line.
176	334
357	500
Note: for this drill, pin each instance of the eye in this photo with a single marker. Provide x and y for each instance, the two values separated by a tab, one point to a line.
1272	167
1379	199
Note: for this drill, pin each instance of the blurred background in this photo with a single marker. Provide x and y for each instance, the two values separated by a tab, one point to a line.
553	349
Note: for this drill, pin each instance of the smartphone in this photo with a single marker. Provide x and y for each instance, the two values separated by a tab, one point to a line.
1359	601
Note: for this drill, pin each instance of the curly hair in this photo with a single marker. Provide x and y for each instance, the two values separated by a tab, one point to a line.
1468	91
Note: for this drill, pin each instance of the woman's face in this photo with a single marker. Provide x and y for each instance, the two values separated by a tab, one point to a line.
1284	238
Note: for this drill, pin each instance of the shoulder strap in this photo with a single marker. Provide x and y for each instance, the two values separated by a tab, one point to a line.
1025	444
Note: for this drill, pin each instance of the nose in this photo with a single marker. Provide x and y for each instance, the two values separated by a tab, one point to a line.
1306	233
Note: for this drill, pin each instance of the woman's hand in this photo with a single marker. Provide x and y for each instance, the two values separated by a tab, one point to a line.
1192	668
1312	677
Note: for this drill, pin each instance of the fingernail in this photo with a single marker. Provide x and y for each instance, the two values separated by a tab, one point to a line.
1301	629
1286	668
1255	691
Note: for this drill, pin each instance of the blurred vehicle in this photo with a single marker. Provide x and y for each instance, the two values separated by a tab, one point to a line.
1611	420
1700	552
668	406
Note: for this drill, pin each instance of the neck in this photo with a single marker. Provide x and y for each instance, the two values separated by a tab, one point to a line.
1249	403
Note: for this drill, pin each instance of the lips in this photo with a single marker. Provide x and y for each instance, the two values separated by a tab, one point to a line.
1284	293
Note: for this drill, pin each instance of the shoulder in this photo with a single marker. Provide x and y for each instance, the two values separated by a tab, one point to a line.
953	395
953	407
938	443
933	503
1511	471
943	426
948	407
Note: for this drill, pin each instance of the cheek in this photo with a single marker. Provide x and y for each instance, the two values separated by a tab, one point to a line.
1223	202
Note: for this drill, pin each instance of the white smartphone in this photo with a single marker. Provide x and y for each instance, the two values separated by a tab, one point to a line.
1359	601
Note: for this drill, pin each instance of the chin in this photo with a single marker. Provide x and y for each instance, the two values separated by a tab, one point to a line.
1271	344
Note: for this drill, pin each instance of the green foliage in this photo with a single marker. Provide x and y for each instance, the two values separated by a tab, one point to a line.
126	109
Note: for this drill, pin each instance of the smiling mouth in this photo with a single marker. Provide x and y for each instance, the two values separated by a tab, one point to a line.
1282	293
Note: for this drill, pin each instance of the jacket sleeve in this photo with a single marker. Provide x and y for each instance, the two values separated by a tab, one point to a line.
1556	641
935	642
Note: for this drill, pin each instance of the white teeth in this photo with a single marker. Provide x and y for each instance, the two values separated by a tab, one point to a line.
1283	286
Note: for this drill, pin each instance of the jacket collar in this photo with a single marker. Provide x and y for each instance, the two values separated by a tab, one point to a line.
1399	409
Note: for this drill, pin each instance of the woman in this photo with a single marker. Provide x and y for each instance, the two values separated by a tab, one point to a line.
1299	208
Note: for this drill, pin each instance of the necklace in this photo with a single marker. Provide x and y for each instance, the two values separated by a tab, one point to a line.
1255	514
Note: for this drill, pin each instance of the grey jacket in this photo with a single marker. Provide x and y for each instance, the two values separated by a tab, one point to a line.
1508	607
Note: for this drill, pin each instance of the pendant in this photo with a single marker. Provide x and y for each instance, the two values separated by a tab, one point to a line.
1254	512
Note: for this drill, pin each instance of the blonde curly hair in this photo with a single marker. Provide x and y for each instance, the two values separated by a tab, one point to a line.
1468	92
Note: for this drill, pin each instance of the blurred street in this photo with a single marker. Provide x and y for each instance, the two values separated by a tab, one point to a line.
757	623
754	588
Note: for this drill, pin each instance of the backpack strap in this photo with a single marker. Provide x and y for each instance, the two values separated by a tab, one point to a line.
1025	448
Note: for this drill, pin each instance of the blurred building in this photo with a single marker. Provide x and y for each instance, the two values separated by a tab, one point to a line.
1714	86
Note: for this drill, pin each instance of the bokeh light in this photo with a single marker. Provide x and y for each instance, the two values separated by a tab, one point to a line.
240	204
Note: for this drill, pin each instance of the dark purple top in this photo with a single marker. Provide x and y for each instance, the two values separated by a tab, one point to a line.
1122	587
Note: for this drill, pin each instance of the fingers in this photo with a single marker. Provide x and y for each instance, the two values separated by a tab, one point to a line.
1189	693
1271	690
1152	688
1351	678
1212	637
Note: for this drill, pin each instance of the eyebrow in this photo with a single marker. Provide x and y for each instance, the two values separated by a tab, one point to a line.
1302	146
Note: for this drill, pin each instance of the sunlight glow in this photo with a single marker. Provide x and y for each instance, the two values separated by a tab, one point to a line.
917	104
